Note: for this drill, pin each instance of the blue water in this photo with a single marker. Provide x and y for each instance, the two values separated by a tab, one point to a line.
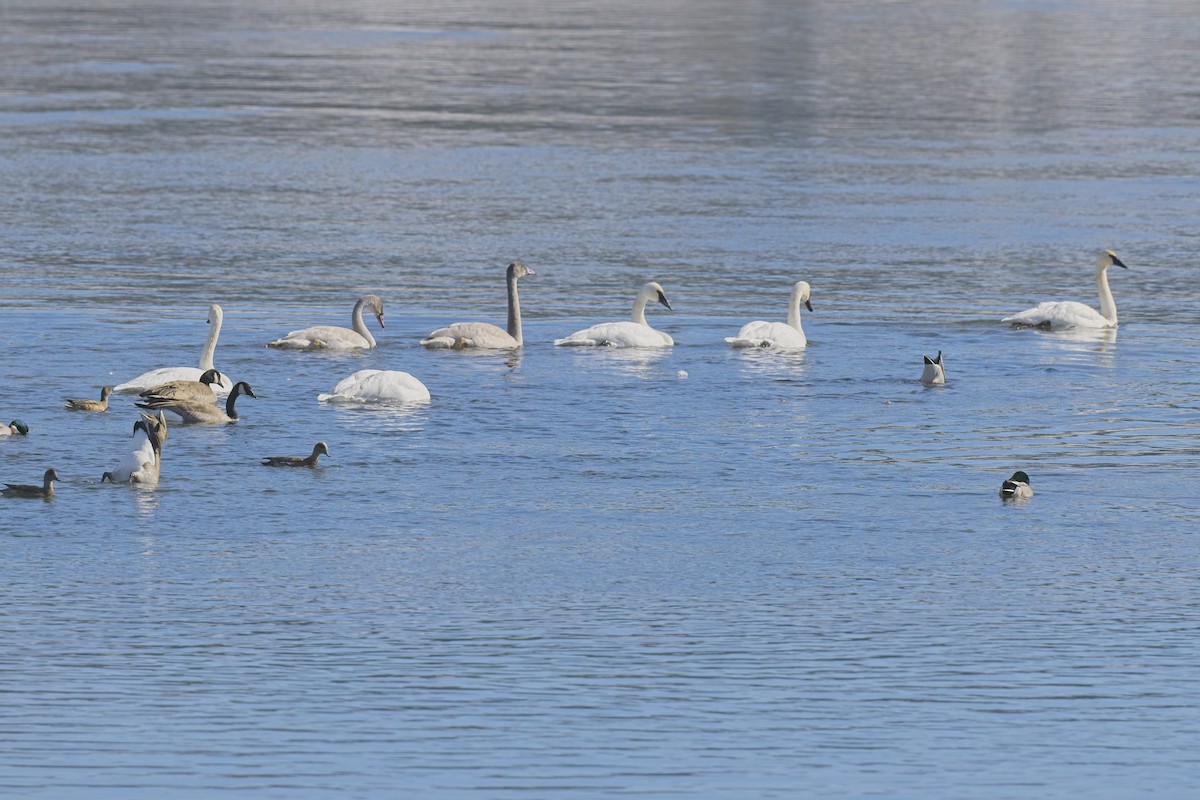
695	573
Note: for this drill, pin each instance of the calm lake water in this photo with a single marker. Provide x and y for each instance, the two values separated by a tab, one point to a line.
689	573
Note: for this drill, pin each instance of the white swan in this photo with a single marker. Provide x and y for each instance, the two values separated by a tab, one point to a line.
1053	315
934	372
484	335
634	333
142	463
378	385
157	376
789	335
200	412
331	337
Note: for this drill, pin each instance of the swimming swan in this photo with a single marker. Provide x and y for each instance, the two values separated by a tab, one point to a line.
45	491
378	385
789	335
635	333
331	337
1053	315
158	376
141	464
74	404
200	412
1016	487
484	335
297	461
934	373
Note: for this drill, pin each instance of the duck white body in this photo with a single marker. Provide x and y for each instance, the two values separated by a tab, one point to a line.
377	385
141	464
934	373
1055	315
1016	487
332	337
156	377
783	335
633	333
14	428
484	335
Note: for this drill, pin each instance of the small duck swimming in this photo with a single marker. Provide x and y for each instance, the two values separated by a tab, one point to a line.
45	491
14	428
1016	487
934	373
297	461
90	405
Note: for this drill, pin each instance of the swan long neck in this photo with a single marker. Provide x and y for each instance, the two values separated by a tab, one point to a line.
1108	306
360	327
210	344
639	309
514	308
794	310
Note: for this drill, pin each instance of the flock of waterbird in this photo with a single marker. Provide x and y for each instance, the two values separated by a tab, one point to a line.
193	393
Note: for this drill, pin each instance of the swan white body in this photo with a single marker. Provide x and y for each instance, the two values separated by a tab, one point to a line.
634	333
141	464
331	337
1055	315
934	373
784	335
484	335
379	386
156	377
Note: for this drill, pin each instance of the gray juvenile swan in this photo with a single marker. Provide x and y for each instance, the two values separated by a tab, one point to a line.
484	335
201	413
331	337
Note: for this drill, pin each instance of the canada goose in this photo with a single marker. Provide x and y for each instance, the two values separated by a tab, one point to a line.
200	391
202	413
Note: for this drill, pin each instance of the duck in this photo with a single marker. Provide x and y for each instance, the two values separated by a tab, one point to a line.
484	335
1056	315
196	412
632	333
89	405
14	428
297	461
200	391
783	335
142	464
331	337
45	491
1016	487
934	373
156	377
378	385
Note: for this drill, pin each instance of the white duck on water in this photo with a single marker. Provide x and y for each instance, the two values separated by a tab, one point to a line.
1055	315
934	373
632	333
788	336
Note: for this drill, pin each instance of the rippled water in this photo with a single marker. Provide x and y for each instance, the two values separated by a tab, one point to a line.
699	573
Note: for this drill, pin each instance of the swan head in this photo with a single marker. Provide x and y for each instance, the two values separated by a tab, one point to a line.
1107	259
215	314
653	291
374	303
517	269
210	376
802	292
19	427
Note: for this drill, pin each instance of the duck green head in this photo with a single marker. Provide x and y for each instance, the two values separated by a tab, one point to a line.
19	427
1020	476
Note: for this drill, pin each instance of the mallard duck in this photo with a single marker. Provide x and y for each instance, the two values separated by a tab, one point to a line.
934	373
14	428
45	491
90	405
297	461
485	335
1016	487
